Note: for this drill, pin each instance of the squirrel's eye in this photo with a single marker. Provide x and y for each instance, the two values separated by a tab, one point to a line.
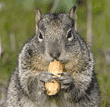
40	37
70	35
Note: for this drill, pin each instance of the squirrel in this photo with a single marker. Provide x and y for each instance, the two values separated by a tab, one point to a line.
57	38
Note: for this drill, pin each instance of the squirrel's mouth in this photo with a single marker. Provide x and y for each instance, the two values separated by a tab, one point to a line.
58	59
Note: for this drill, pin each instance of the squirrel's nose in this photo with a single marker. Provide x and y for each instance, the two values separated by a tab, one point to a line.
55	54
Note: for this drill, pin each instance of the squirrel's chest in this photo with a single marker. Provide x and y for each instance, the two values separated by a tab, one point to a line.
61	100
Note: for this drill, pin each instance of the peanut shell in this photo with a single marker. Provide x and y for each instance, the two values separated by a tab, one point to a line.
53	87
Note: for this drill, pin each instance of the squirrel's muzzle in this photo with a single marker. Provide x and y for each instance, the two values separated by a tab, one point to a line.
55	55
54	50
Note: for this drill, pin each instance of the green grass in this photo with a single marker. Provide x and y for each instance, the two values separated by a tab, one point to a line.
19	18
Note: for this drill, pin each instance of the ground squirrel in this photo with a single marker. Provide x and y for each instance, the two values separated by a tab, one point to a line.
56	38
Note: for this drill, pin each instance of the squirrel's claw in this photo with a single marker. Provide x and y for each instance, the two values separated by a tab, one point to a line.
44	77
65	80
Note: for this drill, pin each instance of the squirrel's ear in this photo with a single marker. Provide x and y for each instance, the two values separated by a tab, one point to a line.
38	15
73	16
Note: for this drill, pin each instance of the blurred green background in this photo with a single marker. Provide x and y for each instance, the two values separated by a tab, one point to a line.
17	25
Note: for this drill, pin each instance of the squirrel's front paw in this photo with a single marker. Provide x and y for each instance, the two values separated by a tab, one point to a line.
45	76
66	80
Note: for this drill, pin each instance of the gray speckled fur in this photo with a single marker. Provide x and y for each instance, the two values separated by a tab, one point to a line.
23	89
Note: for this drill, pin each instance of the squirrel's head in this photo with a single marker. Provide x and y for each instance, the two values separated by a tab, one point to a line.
56	35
